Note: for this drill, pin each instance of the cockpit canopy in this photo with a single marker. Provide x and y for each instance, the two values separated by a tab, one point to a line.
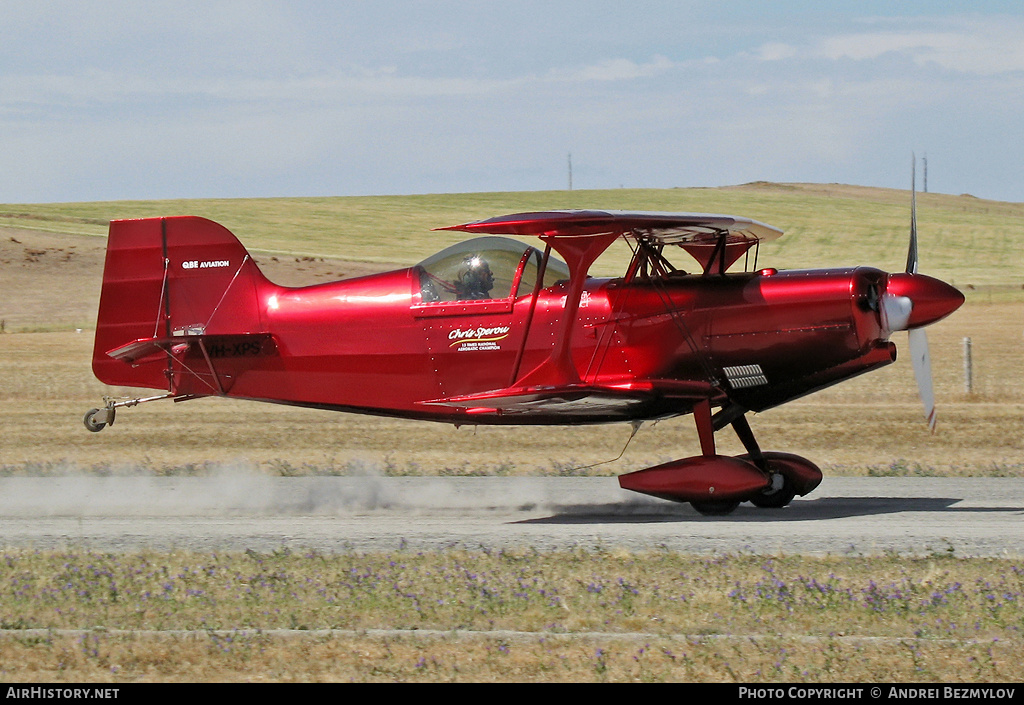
485	268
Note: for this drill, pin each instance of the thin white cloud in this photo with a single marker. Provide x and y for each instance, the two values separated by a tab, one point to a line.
978	52
776	51
971	45
113	89
614	70
99	87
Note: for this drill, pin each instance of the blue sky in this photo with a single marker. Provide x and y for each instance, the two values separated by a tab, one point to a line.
178	99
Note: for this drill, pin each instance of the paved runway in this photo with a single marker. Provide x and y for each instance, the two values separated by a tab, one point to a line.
845	516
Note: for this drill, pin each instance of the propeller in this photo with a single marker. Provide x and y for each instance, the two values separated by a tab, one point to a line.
917	339
912	301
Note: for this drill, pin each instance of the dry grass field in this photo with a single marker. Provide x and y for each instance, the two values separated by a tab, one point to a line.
49	287
50	269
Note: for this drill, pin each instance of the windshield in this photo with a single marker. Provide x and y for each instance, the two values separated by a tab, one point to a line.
485	268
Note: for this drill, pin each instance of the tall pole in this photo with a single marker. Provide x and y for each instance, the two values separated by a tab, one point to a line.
570	171
925	160
968	367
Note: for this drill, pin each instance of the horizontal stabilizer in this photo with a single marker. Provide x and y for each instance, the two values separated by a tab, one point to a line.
215	347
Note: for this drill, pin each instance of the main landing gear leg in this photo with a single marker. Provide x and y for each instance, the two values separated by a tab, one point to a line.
706	434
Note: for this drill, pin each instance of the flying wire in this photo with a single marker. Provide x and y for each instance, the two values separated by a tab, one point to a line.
636	427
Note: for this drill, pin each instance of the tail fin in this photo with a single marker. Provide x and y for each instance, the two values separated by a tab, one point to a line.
168	282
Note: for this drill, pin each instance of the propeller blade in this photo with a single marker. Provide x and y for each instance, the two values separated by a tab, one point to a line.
912	252
921	361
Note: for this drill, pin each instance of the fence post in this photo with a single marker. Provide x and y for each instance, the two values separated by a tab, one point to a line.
968	367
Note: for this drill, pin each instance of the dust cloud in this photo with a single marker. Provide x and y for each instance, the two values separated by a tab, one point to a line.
238	489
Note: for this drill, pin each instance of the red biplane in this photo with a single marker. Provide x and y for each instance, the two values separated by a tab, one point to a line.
495	331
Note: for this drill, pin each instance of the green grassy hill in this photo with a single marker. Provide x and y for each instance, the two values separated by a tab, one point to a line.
975	244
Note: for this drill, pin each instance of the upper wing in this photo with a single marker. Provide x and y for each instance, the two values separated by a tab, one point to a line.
711	239
666	228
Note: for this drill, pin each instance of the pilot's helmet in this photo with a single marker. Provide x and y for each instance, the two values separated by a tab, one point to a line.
476	279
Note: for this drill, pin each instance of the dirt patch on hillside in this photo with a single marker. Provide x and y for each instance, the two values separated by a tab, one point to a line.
48	280
51	281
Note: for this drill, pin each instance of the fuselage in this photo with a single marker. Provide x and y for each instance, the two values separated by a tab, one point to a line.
491	330
373	345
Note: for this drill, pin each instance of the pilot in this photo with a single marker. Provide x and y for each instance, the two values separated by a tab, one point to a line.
476	281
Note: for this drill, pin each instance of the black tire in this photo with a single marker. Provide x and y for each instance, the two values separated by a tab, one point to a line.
775	499
91	423
715	509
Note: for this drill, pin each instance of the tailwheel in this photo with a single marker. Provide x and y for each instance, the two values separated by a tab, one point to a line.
97	419
778	494
715	509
